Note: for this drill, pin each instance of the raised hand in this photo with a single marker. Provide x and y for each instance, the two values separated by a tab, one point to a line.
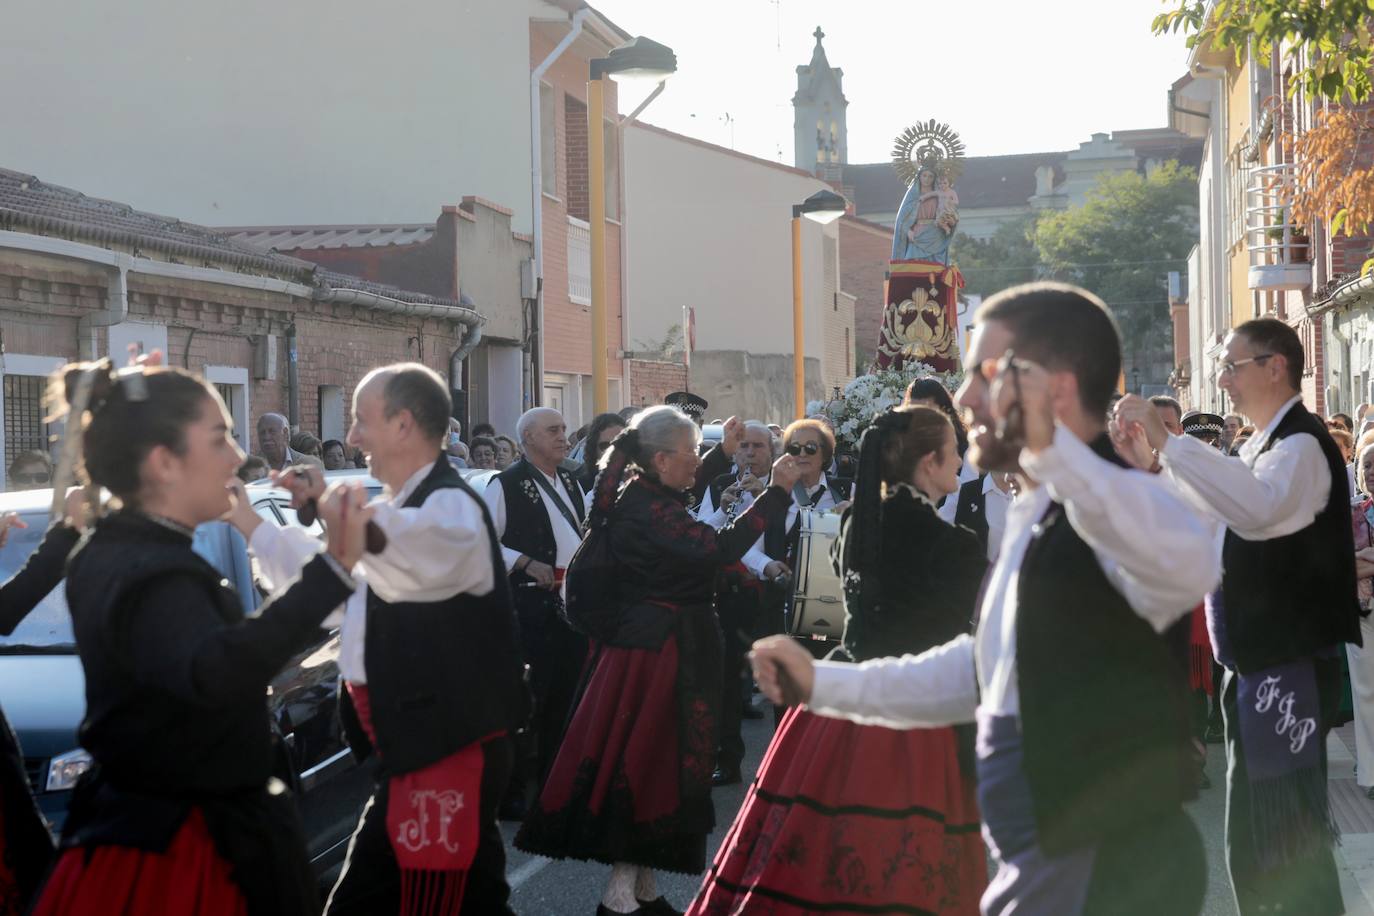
241	514
7	521
302	481
785	473
784	670
1024	385
733	432
343	507
1135	409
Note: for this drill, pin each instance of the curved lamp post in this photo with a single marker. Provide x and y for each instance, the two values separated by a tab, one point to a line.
822	207
637	59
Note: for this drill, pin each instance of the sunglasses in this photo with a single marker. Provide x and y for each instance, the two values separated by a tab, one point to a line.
35	477
796	448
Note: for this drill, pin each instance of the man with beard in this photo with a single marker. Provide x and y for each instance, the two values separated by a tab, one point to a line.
537	508
1083	754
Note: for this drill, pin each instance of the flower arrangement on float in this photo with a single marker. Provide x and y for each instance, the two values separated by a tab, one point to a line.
869	395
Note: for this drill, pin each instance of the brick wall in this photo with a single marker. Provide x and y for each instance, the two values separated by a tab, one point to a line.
567	331
41	301
652	380
575	153
865	249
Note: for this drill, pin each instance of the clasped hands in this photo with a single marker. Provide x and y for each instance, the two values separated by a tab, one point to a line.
342	508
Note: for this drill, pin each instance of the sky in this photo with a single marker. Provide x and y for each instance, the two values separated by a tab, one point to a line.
1011	76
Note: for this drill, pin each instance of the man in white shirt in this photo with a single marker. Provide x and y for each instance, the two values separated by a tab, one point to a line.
1083	744
537	507
729	494
1286	606
429	627
982	506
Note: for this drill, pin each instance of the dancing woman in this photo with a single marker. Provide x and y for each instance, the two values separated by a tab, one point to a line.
860	818
180	813
631	786
26	850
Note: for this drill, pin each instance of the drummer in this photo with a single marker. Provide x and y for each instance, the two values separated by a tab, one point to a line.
773	556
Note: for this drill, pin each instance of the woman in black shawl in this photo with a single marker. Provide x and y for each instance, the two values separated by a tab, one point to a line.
848	817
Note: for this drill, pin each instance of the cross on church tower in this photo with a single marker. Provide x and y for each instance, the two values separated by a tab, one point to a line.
819	133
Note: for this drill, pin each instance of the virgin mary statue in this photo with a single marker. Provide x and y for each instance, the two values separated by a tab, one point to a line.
926	220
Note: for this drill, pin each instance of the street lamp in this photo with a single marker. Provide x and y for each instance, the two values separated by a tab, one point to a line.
822	207
637	59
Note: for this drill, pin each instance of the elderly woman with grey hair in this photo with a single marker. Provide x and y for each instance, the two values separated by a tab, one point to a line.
631	786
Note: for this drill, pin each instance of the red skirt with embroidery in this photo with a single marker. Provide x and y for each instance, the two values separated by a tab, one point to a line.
631	782
188	879
1199	651
852	819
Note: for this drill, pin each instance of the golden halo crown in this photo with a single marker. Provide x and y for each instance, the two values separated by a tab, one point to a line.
928	144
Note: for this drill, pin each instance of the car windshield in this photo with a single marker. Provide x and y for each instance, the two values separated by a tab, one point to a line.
48	627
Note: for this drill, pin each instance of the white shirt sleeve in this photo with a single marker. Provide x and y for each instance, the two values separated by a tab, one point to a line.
1283	493
938	687
281	552
433	551
1153	546
950	507
755	559
495	497
707	509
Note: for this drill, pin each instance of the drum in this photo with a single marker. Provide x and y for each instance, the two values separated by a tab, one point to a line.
817	610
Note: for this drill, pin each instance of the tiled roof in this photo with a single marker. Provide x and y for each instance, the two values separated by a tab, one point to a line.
986	181
35	207
309	238
30	205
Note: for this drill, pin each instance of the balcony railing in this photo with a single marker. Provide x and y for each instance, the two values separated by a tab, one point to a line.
1279	257
579	261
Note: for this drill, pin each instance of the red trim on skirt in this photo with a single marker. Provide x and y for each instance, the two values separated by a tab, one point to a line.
853	819
189	878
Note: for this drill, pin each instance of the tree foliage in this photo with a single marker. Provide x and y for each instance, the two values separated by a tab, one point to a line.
1122	243
1327	41
1007	258
1334	175
1328	45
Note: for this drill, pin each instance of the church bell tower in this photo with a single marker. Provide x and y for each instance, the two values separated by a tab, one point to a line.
819	115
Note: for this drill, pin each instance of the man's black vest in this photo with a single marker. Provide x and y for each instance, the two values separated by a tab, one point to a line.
529	529
971	510
718	485
443	674
1292	596
1103	715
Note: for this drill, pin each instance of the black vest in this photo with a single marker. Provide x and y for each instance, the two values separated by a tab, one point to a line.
528	526
971	510
1292	596
718	485
1103	715
442	674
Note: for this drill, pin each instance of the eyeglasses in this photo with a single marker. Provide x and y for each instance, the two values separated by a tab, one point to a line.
34	477
796	448
1229	368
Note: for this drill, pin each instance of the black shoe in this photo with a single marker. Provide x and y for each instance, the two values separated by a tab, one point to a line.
512	809
726	776
1215	734
750	711
658	907
1369	793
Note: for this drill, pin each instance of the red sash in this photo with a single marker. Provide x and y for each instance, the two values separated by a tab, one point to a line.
433	819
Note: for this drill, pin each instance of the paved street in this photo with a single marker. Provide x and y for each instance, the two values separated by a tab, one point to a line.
574	888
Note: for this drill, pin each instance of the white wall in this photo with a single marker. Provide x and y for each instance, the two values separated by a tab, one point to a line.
712	229
312	111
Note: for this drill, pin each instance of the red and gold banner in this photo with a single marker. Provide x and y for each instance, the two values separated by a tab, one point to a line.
920	320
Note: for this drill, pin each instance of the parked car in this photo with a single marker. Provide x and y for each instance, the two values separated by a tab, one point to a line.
42	689
42	686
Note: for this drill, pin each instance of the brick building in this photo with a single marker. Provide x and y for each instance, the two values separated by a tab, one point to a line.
469	253
865	250
82	277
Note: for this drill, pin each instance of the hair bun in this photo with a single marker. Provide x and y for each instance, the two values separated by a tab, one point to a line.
627	440
102	384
